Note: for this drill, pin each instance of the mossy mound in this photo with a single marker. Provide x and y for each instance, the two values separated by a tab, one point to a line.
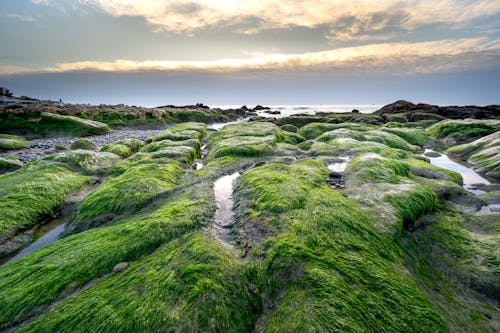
184	154
322	247
83	144
55	124
313	130
8	142
245	140
490	198
123	148
32	193
351	147
9	164
159	145
414	136
453	132
389	139
289	128
127	192
180	132
82	161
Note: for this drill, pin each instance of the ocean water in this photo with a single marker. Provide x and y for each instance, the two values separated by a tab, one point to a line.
288	110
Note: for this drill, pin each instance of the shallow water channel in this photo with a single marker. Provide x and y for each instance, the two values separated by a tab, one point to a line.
223	219
469	176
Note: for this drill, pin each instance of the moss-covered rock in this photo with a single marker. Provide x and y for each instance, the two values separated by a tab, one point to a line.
313	130
82	161
317	246
8	142
123	148
33	192
414	136
9	164
454	132
129	191
491	198
180	132
55	124
289	128
83	144
245	140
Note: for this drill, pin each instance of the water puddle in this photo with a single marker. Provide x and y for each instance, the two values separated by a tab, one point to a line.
340	166
198	165
48	238
469	176
223	190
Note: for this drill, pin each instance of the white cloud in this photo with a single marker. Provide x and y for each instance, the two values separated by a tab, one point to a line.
24	18
397	58
188	16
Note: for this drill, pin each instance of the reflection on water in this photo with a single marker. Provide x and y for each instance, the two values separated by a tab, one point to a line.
223	190
469	176
47	236
339	166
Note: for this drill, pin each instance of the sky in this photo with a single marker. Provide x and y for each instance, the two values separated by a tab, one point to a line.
157	52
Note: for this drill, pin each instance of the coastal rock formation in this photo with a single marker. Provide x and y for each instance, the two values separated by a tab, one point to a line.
422	111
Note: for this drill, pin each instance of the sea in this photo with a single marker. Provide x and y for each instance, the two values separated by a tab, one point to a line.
288	110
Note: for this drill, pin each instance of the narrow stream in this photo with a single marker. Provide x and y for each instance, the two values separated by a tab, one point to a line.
223	190
469	176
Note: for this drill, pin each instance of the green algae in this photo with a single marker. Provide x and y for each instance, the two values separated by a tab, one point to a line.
123	148
33	193
458	131
8	142
130	191
55	124
327	268
83	144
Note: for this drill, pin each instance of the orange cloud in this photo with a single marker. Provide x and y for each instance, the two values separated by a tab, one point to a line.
432	56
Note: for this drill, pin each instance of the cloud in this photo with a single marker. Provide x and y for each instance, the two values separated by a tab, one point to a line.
396	58
24	18
367	16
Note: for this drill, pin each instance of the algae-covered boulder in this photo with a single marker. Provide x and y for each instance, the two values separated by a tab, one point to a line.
85	161
313	130
8	142
9	164
123	148
55	124
245	139
33	192
179	132
454	132
83	144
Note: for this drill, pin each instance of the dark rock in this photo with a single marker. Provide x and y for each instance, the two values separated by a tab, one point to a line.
335	174
272	112
260	107
487	315
426	111
355	111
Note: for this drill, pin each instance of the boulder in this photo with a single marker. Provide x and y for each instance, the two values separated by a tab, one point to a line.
55	124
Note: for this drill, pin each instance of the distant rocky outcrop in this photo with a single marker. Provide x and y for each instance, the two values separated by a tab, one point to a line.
423	111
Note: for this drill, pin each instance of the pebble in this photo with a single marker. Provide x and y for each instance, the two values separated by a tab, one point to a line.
120	266
42	147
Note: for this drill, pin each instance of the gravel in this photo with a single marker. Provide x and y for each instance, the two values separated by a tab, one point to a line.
43	147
